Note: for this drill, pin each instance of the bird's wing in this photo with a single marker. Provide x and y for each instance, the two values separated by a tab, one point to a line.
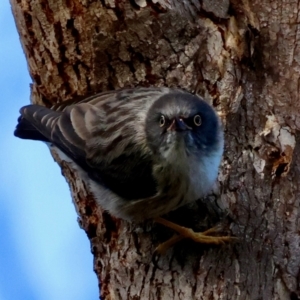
105	135
100	128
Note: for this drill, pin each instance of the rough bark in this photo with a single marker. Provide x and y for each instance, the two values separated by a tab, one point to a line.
243	57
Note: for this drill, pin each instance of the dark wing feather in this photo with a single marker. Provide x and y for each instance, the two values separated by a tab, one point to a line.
25	130
108	155
129	176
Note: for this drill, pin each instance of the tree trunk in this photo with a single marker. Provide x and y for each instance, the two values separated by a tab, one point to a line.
243	57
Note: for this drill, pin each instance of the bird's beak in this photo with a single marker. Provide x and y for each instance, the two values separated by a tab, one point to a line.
178	125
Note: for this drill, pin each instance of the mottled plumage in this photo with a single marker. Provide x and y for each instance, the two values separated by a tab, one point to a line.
144	151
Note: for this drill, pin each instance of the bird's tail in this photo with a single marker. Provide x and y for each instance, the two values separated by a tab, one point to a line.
25	130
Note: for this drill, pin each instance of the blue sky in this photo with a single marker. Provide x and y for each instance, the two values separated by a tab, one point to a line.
43	252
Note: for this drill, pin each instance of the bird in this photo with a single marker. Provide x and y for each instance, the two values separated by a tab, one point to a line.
144	151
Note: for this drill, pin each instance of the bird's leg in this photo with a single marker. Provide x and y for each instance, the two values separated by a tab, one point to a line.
163	247
204	237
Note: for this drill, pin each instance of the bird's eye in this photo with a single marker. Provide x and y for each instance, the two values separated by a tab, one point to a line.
162	121
197	120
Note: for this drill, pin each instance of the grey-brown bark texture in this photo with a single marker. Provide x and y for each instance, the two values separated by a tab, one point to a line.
243	57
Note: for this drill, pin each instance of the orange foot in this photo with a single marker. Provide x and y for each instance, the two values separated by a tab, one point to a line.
204	237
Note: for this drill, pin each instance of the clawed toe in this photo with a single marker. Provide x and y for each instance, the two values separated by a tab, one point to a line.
205	237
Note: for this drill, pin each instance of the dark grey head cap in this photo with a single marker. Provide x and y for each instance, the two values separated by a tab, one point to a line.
206	137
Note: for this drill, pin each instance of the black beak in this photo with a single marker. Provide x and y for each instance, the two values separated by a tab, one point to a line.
178	125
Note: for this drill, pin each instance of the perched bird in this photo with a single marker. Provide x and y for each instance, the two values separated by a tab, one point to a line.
143	151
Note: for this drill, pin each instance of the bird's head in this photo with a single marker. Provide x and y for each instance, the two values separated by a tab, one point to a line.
183	124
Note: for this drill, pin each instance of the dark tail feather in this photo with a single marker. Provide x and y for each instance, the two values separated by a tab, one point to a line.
25	130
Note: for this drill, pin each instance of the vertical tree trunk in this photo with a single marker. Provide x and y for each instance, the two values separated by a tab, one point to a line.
243	57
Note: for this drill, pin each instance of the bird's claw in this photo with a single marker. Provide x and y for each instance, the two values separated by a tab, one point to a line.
205	237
